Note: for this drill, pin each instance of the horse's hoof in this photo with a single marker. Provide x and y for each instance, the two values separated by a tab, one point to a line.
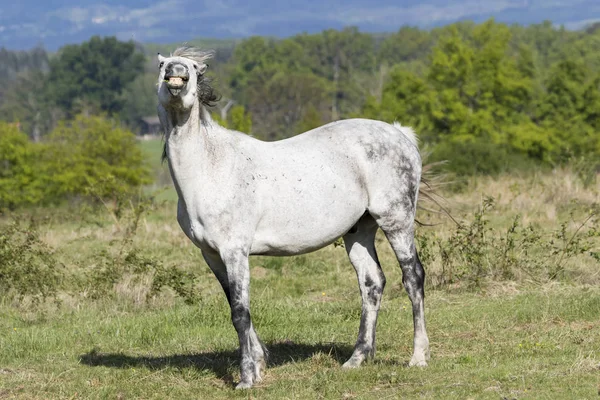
417	363
243	385
352	363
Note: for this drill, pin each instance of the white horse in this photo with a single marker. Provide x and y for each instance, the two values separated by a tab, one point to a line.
240	196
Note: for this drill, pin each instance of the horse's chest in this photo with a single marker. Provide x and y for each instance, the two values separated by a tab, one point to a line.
192	226
205	230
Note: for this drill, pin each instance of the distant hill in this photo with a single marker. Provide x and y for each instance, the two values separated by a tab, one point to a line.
29	23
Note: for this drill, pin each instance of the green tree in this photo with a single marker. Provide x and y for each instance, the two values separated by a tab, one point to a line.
237	119
139	100
93	75
409	43
283	101
406	98
240	119
26	104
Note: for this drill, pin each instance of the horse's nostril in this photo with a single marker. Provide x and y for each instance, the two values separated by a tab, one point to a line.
176	69
179	69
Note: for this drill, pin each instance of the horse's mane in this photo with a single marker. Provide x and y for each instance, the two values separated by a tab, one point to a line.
206	93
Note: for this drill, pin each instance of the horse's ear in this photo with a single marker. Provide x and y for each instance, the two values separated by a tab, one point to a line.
202	69
161	58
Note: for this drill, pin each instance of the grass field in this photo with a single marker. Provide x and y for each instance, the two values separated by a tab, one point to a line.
513	308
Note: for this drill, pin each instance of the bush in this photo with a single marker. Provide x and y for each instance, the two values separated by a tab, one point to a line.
480	157
476	252
89	157
93	156
19	169
27	265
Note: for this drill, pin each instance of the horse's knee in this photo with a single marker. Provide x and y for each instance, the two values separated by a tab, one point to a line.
373	286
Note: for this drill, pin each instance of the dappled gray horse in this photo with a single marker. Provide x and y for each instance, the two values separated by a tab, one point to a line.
240	196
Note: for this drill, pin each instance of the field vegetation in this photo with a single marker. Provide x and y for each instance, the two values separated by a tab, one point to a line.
101	302
102	295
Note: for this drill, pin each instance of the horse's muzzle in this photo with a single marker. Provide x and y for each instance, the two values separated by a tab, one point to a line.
176	77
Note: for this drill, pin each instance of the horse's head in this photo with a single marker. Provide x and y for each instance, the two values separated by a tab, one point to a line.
181	78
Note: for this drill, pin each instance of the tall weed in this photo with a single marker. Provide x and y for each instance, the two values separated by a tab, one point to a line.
476	252
28	267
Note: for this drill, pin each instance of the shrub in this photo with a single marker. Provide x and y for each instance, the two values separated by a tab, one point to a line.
27	265
92	156
19	169
479	157
476	252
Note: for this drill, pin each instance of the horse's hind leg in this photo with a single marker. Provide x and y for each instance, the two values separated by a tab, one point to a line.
401	238
360	245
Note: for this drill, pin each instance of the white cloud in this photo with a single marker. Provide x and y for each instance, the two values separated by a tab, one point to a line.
541	4
242	19
167	11
574	25
423	14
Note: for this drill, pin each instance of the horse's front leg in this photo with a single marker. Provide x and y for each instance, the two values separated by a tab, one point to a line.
252	351
218	268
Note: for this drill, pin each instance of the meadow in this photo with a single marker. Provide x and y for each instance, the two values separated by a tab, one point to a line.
113	301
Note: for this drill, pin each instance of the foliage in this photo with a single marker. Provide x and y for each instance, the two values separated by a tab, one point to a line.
408	44
93	75
13	66
480	97
479	157
123	260
26	105
20	182
92	156
28	266
238	119
284	101
477	252
532	93
89	157
139	101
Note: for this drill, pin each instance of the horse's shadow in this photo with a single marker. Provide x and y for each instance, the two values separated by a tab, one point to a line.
221	363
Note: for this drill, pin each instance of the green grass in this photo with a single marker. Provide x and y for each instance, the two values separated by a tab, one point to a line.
162	189
106	334
152	151
539	343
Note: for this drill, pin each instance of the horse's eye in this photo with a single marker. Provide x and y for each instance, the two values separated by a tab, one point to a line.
195	67
161	65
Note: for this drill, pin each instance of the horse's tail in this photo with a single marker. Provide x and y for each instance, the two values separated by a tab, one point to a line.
431	180
408	132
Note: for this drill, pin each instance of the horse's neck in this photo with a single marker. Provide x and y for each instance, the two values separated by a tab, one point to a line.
189	142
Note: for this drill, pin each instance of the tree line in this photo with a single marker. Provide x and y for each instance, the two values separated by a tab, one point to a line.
485	96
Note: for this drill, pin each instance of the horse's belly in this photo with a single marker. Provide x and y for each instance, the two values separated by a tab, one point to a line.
303	228
287	242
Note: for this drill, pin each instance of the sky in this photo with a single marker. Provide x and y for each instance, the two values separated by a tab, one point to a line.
54	23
